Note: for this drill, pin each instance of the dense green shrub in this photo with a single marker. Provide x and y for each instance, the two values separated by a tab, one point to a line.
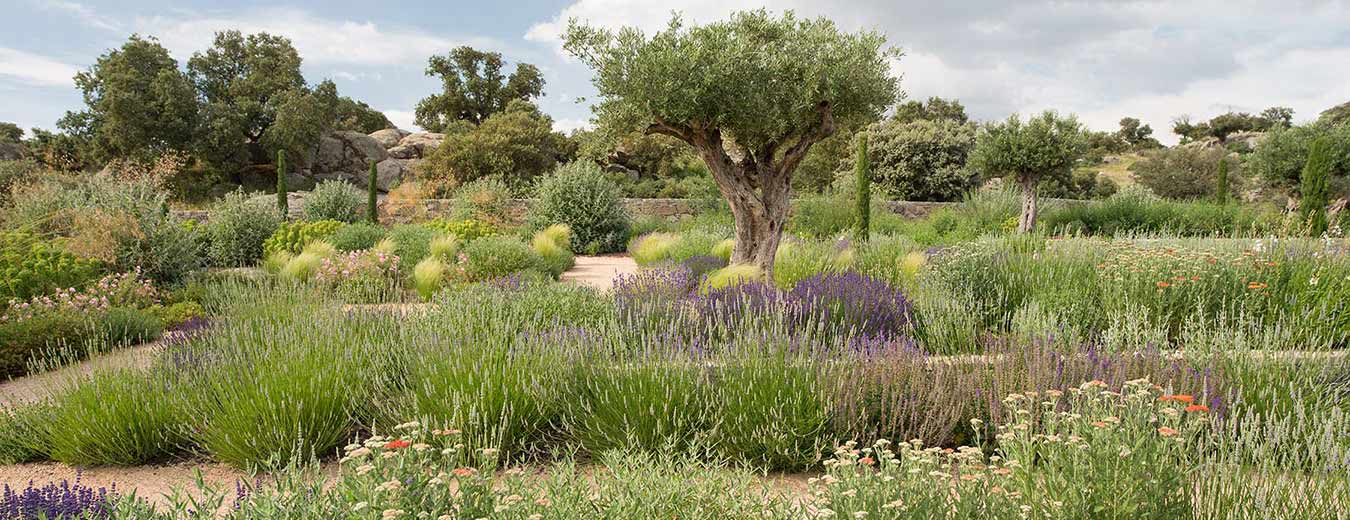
30	266
466	230
238	227
334	200
514	145
178	313
1133	212
123	326
412	243
294	236
62	334
354	237
487	200
494	257
922	159
166	250
579	195
1283	152
1186	173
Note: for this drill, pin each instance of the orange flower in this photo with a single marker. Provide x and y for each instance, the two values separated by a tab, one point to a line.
464	472
1097	382
397	445
867	461
1099	424
1164	285
1180	398
1197	408
1256	285
1167	432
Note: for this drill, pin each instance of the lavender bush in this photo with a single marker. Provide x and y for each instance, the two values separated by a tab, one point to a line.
57	501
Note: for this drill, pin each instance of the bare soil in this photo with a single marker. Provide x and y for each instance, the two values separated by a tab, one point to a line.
599	271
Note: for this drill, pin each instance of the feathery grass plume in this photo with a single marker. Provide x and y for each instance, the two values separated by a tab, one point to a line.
731	275
560	234
429	276
554	257
386	246
320	248
276	261
724	249
653	247
444	247
302	267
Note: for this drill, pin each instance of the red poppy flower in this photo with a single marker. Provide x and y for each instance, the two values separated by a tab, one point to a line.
397	445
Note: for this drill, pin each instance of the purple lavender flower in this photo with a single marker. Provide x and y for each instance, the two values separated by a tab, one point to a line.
64	500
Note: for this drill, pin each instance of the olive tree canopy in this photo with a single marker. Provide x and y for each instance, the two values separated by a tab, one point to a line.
1045	145
751	94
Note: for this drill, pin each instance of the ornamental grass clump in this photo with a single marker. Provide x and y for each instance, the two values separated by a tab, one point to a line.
429	276
551	245
653	247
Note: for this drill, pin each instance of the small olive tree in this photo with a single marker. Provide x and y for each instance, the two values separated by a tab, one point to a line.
1044	146
751	94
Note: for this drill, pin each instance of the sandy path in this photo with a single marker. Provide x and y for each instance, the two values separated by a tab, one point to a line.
599	271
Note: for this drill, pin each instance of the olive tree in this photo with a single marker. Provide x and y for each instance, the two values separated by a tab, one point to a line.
750	94
1046	145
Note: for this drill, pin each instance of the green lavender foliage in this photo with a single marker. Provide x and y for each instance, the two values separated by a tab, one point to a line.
282	205
864	172
372	210
1314	187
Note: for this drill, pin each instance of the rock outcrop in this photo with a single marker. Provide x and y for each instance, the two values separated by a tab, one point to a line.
346	156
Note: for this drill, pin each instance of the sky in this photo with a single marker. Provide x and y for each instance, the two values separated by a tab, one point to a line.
1101	60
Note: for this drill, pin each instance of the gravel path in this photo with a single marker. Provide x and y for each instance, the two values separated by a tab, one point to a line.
599	271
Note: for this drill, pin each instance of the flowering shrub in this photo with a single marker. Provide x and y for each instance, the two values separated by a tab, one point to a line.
30	266
425	473
851	303
115	290
360	276
294	236
1086	453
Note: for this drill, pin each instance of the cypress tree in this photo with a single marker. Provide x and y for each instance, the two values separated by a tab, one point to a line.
1313	187
282	205
1221	193
864	171
372	211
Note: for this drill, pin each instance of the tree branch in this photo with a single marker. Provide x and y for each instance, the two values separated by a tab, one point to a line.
823	128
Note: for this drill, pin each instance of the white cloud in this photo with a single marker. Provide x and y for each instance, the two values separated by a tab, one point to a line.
85	14
321	41
568	125
402	119
34	69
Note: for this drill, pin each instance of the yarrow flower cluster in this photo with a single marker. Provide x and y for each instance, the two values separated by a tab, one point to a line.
115	290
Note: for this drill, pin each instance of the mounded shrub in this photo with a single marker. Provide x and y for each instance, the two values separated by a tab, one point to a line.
494	257
294	236
579	195
30	266
354	237
466	230
412	243
334	200
653	247
23	341
238	227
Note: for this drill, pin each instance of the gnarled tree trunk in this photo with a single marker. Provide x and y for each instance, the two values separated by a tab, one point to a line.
757	184
1030	201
